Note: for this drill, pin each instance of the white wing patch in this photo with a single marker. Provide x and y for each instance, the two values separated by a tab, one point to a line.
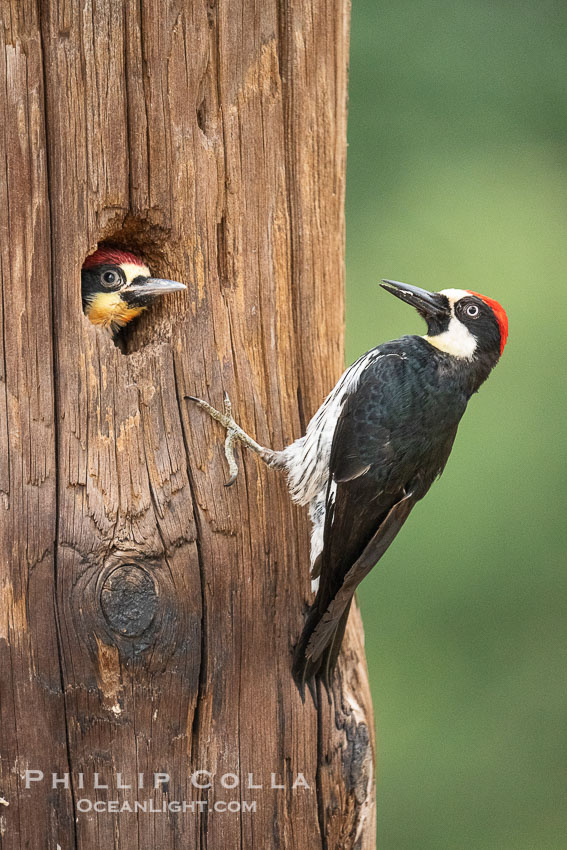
317	514
317	509
307	459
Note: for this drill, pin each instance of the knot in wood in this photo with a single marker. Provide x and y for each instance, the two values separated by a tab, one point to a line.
129	600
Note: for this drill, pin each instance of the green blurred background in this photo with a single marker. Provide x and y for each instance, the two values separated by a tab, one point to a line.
457	177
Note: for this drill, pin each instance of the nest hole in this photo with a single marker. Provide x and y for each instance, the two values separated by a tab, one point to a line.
149	242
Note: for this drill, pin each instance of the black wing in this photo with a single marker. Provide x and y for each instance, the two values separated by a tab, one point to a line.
373	485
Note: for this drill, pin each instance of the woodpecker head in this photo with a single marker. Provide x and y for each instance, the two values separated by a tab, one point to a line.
117	286
462	323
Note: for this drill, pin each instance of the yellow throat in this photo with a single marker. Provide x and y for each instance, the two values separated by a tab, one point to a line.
108	310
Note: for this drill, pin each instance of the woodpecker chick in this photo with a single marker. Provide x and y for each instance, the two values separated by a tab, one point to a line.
117	287
375	446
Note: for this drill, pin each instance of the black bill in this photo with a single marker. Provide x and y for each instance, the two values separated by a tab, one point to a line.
427	304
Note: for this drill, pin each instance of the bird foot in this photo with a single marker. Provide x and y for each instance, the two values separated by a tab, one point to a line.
234	434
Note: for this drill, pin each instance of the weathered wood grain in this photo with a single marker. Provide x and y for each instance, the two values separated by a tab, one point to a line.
149	614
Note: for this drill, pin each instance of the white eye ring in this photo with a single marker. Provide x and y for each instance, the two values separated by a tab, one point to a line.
472	311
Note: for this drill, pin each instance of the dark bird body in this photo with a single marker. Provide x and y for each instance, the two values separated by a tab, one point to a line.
375	446
391	441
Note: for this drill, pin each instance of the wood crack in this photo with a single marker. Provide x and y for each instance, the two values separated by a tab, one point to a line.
195	728
56	419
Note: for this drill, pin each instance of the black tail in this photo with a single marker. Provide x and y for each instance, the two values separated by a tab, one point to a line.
309	665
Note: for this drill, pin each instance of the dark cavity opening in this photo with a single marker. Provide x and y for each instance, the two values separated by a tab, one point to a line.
148	242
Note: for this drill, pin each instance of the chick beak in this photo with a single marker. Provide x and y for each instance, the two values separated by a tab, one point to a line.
151	286
430	305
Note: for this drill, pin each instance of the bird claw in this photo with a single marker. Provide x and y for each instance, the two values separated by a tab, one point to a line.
234	432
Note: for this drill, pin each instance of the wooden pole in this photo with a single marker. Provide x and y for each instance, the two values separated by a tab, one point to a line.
148	614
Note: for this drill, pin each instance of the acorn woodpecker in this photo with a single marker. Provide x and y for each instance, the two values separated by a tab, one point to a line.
116	287
375	446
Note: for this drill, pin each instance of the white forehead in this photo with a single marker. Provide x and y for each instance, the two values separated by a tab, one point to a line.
133	270
454	295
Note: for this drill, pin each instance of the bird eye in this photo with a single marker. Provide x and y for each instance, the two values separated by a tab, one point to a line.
472	311
109	278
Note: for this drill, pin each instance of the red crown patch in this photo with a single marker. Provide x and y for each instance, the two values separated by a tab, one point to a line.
500	315
112	256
